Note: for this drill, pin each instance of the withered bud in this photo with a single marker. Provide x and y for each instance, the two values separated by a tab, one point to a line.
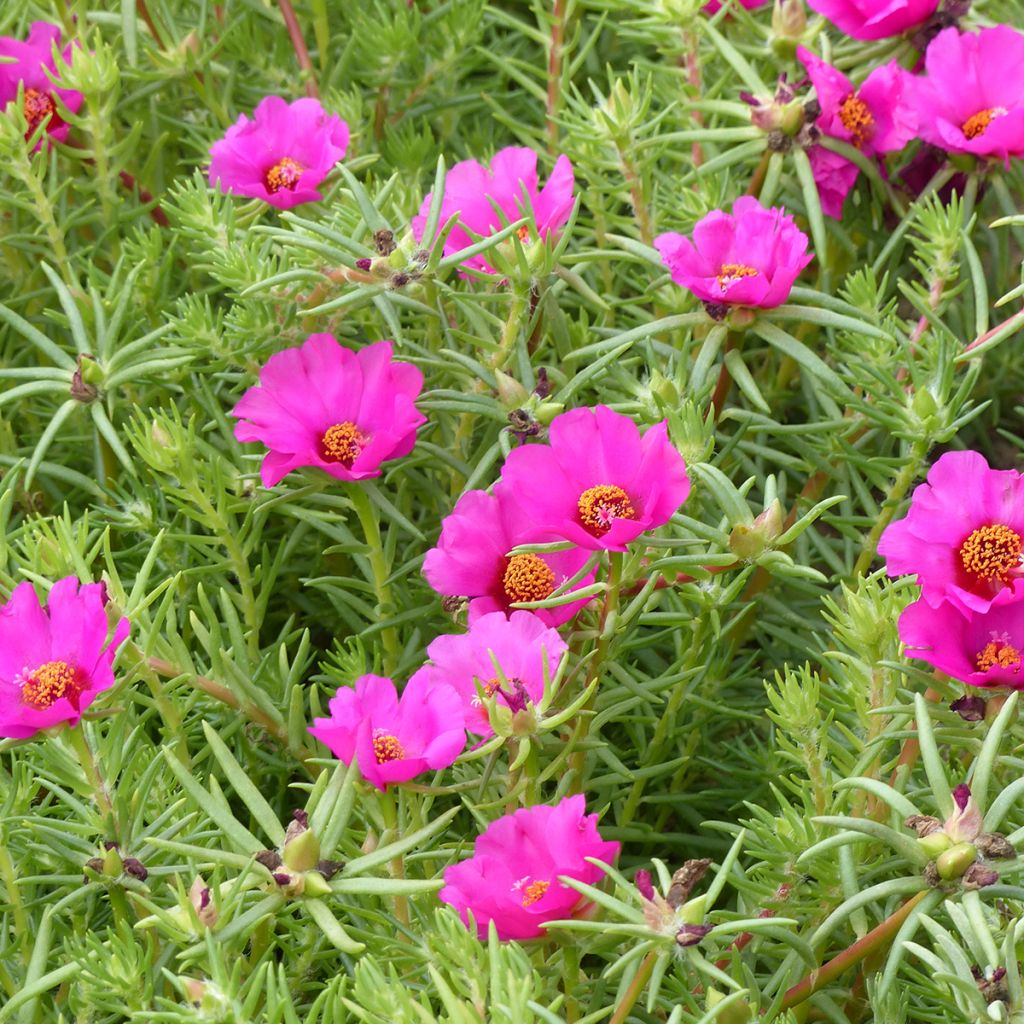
691	934
364	264
543	386
270	859
452	604
298	825
977	876
384	242
923	824
685	880
399	280
81	389
134	867
93	864
282	878
994	846
716	310
970	709
779	141
329	868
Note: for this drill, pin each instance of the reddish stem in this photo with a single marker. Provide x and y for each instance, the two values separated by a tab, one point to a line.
555	71
299	45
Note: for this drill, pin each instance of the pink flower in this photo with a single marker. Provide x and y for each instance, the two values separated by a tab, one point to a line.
875	19
324	405
473	192
963	535
512	877
750	257
471	560
54	661
282	154
971	98
522	645
598	484
875	118
714	6
983	649
392	739
27	63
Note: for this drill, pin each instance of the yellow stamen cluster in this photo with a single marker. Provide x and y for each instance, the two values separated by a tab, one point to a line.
730	273
527	578
387	748
38	107
997	653
48	683
978	123
284	174
857	119
534	891
992	552
600	506
342	443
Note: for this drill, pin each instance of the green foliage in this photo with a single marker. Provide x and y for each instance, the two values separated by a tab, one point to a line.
737	690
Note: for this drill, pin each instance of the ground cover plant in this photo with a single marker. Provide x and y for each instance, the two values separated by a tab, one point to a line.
511	511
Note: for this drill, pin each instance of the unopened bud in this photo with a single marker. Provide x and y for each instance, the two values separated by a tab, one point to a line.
737	1012
511	393
955	861
202	902
924	404
302	852
547	411
644	885
935	844
748	540
789	20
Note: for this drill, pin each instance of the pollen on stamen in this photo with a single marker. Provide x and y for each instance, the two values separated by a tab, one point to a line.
387	747
977	124
857	119
38	107
523	233
343	442
284	174
527	578
992	552
535	891
48	683
600	506
730	273
997	654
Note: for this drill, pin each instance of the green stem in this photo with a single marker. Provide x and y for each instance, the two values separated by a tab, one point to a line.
509	336
22	169
370	522
900	486
87	759
389	812
609	614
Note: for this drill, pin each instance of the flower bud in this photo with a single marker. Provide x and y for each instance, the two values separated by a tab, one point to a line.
964	824
200	897
789	22
737	1012
511	393
955	861
302	852
664	390
547	411
644	885
747	541
935	844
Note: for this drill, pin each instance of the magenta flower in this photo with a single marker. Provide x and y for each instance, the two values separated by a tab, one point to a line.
512	878
54	661
875	19
393	739
473	191
963	535
876	118
971	98
599	483
324	405
282	154
471	560
750	257
522	645
983	649
28	63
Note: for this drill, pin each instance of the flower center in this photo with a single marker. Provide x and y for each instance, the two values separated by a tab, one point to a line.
600	506
284	174
48	683
527	578
730	273
992	552
386	747
534	891
997	653
857	119
977	123
524	234
38	107
343	443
